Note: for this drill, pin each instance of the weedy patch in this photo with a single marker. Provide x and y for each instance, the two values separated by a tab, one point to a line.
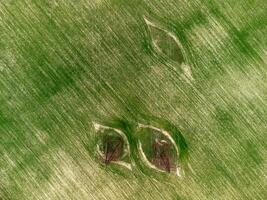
112	146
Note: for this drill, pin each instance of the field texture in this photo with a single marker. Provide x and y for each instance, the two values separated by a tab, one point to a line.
184	77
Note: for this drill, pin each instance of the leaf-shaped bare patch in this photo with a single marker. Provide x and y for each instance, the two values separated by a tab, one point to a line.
165	42
158	149
112	146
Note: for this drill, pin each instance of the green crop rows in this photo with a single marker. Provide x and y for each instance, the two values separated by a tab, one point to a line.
66	64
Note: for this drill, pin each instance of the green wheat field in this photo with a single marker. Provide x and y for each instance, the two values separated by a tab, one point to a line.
195	71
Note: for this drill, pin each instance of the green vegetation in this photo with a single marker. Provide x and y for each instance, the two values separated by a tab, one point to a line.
65	65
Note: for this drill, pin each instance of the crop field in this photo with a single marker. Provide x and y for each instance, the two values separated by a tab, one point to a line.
133	99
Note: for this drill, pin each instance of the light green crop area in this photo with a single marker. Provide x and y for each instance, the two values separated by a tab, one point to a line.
65	65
